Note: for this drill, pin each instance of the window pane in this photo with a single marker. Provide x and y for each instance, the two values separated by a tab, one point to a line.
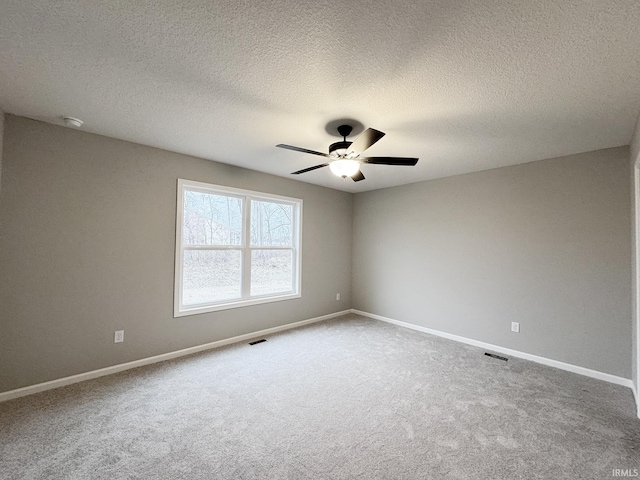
271	271
211	219
271	224
211	276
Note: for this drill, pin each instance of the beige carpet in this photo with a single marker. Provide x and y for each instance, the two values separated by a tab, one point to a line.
347	398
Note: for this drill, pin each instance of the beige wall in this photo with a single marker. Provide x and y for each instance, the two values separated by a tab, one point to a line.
87	247
546	244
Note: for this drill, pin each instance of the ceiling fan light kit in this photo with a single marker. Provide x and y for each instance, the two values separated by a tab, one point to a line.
344	168
345	159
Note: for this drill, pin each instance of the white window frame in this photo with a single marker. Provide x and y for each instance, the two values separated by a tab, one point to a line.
180	310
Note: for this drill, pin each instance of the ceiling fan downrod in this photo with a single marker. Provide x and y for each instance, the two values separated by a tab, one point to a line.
340	148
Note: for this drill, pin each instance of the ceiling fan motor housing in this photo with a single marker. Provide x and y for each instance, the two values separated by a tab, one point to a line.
339	147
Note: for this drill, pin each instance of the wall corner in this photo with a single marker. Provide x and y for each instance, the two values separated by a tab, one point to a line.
634	164
1	143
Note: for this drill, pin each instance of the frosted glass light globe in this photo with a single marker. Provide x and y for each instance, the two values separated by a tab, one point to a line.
344	168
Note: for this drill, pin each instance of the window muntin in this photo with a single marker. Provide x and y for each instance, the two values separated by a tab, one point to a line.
234	248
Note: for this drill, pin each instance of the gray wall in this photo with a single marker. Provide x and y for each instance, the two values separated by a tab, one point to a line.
1	141
87	247
547	244
634	278
635	142
635	164
87	243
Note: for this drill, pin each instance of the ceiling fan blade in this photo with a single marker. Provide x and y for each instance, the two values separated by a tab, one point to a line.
309	169
358	176
390	160
365	140
303	150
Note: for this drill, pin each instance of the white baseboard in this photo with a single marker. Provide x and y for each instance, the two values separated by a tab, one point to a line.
507	351
61	382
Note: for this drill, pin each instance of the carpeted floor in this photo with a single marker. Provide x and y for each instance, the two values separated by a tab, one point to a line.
347	398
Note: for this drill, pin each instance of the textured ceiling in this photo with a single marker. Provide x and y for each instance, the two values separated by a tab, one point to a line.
464	85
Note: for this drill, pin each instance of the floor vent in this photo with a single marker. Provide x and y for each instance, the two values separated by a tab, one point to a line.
258	341
496	356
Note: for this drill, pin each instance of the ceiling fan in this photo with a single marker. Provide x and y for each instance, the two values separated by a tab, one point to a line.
345	159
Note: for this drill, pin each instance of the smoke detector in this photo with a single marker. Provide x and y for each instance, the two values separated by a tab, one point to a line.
72	122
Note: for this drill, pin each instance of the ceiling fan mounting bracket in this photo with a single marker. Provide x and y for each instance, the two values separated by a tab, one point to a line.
345	131
332	127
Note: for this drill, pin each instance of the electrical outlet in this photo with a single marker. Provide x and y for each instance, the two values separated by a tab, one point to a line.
118	337
337	296
515	327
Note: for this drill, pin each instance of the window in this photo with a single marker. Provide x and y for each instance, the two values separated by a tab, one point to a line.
234	248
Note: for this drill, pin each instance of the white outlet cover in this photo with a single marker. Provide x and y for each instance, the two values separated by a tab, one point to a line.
515	327
337	296
118	336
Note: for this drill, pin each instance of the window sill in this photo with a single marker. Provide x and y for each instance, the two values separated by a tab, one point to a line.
186	311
